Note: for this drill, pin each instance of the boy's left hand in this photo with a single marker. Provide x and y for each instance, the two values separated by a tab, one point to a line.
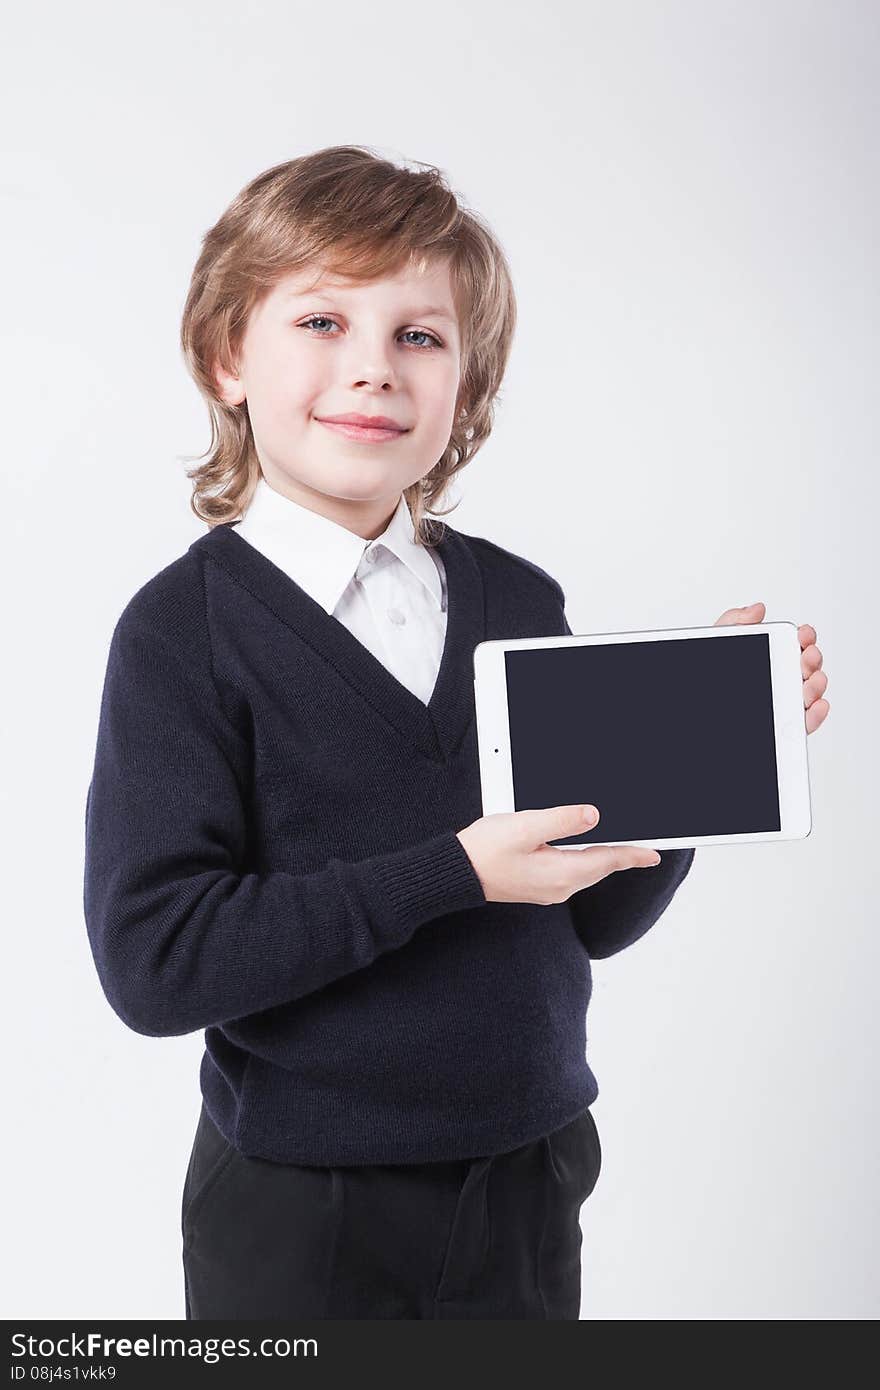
815	680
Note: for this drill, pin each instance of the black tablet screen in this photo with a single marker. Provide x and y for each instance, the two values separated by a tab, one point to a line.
668	739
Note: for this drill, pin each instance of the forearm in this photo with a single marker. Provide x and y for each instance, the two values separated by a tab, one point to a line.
201	948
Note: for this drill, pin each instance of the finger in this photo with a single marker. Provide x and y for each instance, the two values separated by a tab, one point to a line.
599	860
811	660
814	687
587	866
752	613
536	827
816	715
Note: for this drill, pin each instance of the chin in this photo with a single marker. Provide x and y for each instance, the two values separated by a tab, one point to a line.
360	474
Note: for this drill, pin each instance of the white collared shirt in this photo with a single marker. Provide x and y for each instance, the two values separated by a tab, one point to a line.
389	592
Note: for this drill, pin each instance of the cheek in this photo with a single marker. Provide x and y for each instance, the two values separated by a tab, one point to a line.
437	397
312	377
297	384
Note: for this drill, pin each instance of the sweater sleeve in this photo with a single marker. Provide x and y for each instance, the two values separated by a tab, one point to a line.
616	911
613	913
181	936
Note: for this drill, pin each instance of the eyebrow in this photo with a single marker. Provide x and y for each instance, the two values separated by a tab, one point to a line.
438	313
427	311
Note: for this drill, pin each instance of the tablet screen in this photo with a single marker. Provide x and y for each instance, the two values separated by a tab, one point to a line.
668	739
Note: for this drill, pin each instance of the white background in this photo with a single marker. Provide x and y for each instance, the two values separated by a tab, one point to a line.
688	196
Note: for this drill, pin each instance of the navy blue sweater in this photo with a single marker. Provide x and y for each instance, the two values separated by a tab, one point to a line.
271	856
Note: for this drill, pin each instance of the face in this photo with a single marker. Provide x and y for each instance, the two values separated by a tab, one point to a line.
389	348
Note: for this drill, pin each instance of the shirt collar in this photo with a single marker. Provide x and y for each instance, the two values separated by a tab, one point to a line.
322	556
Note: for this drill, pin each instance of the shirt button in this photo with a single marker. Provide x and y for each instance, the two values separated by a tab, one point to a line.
396	616
371	556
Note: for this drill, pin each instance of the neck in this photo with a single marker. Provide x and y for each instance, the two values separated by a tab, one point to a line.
367	517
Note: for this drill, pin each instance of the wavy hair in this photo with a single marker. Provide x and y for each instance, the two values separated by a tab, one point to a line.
359	216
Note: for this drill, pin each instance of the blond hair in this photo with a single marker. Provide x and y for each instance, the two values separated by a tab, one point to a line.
359	216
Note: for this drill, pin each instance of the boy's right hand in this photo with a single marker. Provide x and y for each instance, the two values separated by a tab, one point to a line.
514	863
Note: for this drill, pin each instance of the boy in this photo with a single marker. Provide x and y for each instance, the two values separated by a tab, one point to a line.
284	844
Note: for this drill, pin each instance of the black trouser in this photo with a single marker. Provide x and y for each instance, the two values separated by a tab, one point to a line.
494	1237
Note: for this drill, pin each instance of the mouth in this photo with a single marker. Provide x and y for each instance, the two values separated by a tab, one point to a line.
369	429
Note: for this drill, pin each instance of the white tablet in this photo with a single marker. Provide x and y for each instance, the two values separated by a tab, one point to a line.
691	736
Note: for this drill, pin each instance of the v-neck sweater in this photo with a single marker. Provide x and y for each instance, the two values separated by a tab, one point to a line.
272	856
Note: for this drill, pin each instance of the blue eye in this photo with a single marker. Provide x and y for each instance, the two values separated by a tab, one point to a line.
422	333
418	332
316	318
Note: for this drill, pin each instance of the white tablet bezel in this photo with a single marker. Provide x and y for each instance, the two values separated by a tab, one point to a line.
493	734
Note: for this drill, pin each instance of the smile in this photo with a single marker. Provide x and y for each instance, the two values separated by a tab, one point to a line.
366	435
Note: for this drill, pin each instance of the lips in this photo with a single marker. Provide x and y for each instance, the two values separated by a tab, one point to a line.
366	429
367	422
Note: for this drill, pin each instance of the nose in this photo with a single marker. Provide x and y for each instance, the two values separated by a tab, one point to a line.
372	366
376	378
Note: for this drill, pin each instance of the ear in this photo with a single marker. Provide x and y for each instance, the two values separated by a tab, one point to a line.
230	387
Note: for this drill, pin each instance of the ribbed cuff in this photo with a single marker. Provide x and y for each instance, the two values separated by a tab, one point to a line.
429	880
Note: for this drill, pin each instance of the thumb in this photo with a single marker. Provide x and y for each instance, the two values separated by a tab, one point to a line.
555	823
732	617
